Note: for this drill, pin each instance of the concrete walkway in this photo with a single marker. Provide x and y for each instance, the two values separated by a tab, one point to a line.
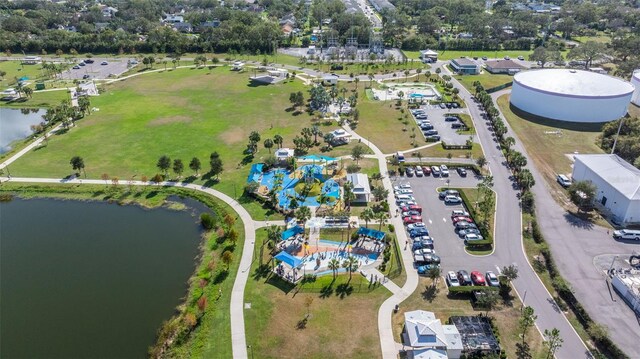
238	339
385	313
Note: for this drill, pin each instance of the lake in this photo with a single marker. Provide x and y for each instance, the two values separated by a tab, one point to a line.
90	279
16	125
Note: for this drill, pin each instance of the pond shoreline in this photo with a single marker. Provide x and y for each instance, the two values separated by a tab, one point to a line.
189	330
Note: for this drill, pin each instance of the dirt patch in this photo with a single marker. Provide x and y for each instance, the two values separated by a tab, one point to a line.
233	136
171	119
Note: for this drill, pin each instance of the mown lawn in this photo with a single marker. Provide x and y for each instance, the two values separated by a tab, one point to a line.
486	79
182	113
342	322
550	143
506	316
39	99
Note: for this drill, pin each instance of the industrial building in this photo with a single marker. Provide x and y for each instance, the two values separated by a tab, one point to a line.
503	67
465	66
627	283
617	183
571	95
635	81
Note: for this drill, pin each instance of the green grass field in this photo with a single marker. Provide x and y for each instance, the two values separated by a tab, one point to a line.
486	79
38	99
181	114
549	142
341	323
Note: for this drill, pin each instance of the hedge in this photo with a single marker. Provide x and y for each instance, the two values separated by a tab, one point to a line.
472	211
468	289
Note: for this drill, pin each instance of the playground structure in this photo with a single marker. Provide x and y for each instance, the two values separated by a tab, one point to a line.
311	185
409	91
301	254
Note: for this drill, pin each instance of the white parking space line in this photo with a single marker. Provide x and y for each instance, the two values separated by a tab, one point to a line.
444	220
499	270
430	221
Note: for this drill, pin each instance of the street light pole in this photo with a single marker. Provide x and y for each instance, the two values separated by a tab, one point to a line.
251	349
615	141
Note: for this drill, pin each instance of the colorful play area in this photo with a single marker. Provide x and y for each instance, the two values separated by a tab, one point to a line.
309	184
410	91
302	254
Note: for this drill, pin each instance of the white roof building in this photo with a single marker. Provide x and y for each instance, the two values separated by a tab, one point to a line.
282	154
617	183
423	331
361	187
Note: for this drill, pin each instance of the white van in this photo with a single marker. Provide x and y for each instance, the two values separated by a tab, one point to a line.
627	234
400	157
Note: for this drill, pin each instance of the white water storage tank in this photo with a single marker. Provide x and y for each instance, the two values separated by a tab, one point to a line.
635	81
571	95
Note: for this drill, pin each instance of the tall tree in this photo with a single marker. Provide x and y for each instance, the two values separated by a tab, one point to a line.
277	139
367	216
434	273
544	55
178	167
588	52
527	320
334	265
351	264
195	165
77	163
382	218
303	214
216	164
582	194
164	163
357	153
268	144
552	341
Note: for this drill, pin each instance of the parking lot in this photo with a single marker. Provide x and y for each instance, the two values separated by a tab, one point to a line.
114	67
437	115
437	217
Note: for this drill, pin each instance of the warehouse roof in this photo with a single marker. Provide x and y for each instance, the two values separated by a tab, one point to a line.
636	75
617	172
463	61
573	83
503	64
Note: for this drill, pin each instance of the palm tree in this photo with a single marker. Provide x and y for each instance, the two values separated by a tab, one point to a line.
434	274
268	143
274	234
382	219
367	215
334	265
277	139
303	214
351	264
348	194
508	142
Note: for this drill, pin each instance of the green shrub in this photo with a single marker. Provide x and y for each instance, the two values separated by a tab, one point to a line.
207	220
391	228
469	289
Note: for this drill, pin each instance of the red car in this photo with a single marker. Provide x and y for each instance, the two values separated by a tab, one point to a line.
477	278
426	170
465	219
412	219
413	207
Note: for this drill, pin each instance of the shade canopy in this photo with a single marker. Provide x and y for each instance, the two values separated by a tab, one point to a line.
291	232
371	233
287	258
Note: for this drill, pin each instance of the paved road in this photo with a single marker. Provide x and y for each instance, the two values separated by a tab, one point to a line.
572	238
508	240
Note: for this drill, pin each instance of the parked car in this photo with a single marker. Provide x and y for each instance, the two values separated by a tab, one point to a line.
430	132
444	170
410	213
465	225
433	137
492	279
82	64
426	170
426	127
405	185
411	208
417	111
423	252
421	117
403	191
409	171
627	234
477	278
472	237
104	63
456	125
88	61
563	180
424	269
416	225
419	172
443	106
448	105
459	213
507	58
86	77
463	232
76	67
464	278
462	218
423	243
452	279
450	119
452	200
461	172
435	171
455	105
485	58
428	258
418	232
412	219
448	192
521	58
406	203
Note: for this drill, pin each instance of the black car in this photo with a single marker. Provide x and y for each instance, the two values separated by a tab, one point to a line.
462	172
426	127
88	61
450	119
455	105
430	132
464	278
456	125
423	243
433	137
85	77
448	105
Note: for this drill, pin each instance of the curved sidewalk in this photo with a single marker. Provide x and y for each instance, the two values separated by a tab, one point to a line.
238	339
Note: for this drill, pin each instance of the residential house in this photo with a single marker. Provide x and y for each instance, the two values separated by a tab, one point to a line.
183	26
426	335
330	80
208	25
173	19
361	188
465	66
503	66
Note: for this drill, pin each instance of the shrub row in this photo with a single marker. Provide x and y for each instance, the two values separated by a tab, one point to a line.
468	289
